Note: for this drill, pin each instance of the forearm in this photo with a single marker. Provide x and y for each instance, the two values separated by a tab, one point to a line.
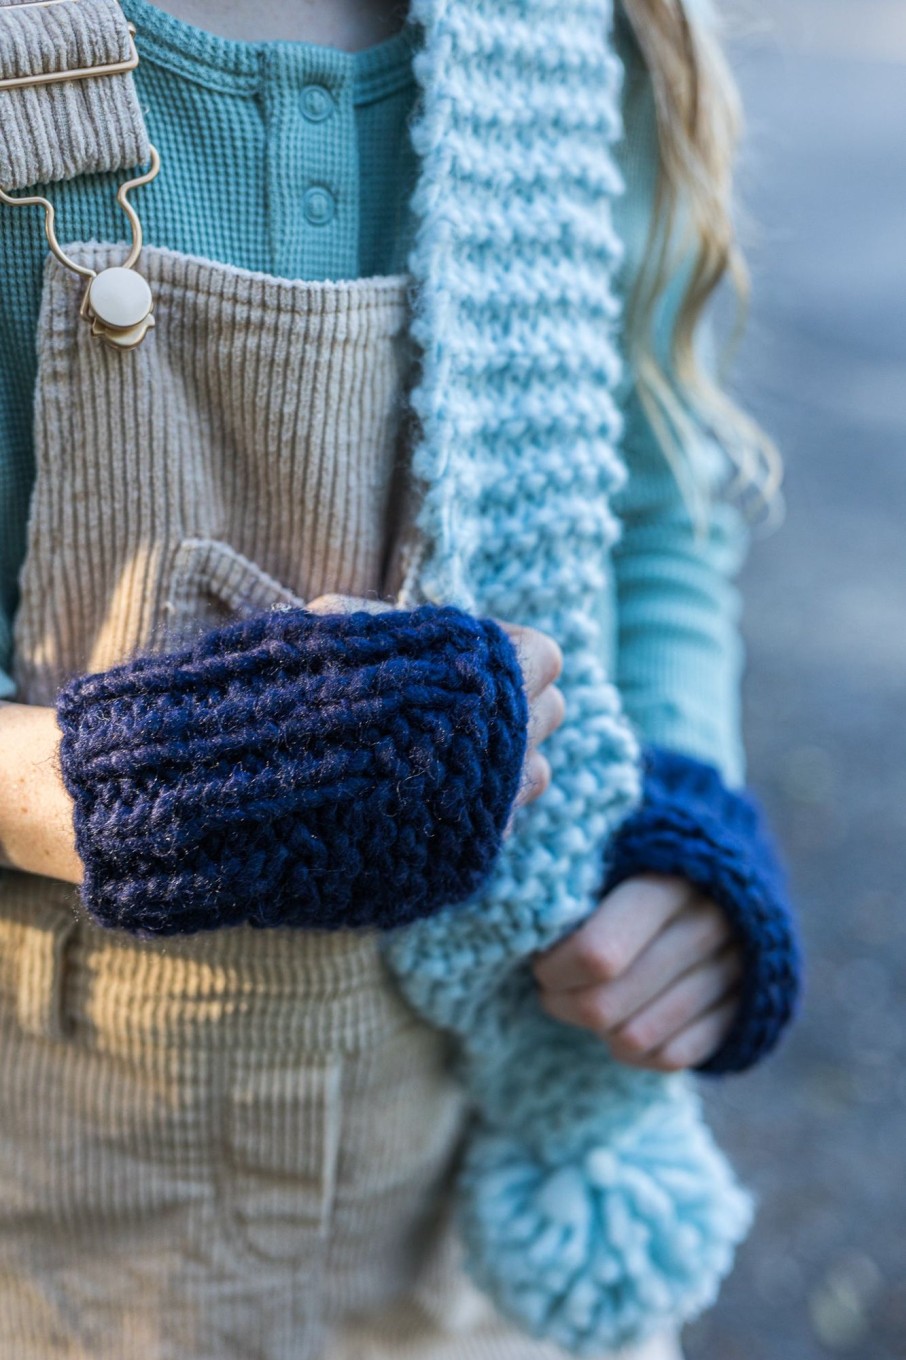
36	831
291	769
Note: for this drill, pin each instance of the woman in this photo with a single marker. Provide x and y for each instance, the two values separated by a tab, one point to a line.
248	1167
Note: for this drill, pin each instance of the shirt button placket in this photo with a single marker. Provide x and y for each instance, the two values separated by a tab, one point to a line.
314	192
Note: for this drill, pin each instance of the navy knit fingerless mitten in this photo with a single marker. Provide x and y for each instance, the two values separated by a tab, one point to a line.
296	769
690	823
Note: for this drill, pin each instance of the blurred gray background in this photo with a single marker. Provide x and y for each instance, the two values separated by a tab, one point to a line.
820	1131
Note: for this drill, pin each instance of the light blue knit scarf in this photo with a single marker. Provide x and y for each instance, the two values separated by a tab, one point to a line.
594	1204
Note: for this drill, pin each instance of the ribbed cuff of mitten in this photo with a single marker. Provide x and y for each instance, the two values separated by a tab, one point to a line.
299	769
690	823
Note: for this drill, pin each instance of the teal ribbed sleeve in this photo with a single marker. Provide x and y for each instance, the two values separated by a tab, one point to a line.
679	654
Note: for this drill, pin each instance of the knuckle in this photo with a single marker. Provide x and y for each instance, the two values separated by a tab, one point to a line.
599	959
536	777
637	1038
550	657
605	1012
548	714
559	706
713	936
713	926
675	1014
592	1013
673	1059
541	772
557	659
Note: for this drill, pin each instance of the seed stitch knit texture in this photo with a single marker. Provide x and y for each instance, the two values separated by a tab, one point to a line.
296	769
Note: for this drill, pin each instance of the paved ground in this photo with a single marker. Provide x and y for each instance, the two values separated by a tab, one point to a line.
820	1132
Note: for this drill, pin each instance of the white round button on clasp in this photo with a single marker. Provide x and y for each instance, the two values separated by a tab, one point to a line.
119	297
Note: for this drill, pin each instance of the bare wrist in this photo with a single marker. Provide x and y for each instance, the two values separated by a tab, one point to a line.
36	833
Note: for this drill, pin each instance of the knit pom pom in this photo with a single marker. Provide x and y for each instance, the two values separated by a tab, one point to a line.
300	769
597	1249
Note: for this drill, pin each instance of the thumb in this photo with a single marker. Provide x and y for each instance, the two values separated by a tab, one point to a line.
346	604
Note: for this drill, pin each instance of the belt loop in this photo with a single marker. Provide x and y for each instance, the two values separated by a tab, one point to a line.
42	966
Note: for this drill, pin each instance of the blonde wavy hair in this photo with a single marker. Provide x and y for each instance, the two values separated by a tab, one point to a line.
699	120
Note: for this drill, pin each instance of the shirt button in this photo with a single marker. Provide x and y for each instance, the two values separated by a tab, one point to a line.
319	206
317	103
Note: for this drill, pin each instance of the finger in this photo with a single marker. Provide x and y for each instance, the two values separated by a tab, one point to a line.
536	777
700	931
699	1041
346	604
588	1008
680	1005
538	653
546	714
332	604
625	923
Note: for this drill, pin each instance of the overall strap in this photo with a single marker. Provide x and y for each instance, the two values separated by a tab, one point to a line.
68	104
68	107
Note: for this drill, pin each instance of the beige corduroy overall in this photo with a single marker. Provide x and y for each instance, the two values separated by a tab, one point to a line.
236	1145
229	1144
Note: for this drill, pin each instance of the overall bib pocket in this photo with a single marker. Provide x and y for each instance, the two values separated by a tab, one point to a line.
211	584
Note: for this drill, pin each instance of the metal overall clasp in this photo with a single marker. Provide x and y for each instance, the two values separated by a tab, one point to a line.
117	302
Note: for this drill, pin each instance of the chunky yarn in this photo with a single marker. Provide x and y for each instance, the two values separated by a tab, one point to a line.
594	1205
690	823
609	1214
296	769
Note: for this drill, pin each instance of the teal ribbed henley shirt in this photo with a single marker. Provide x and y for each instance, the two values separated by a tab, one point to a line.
293	159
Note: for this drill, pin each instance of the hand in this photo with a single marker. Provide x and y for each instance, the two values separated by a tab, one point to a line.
655	972
542	662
